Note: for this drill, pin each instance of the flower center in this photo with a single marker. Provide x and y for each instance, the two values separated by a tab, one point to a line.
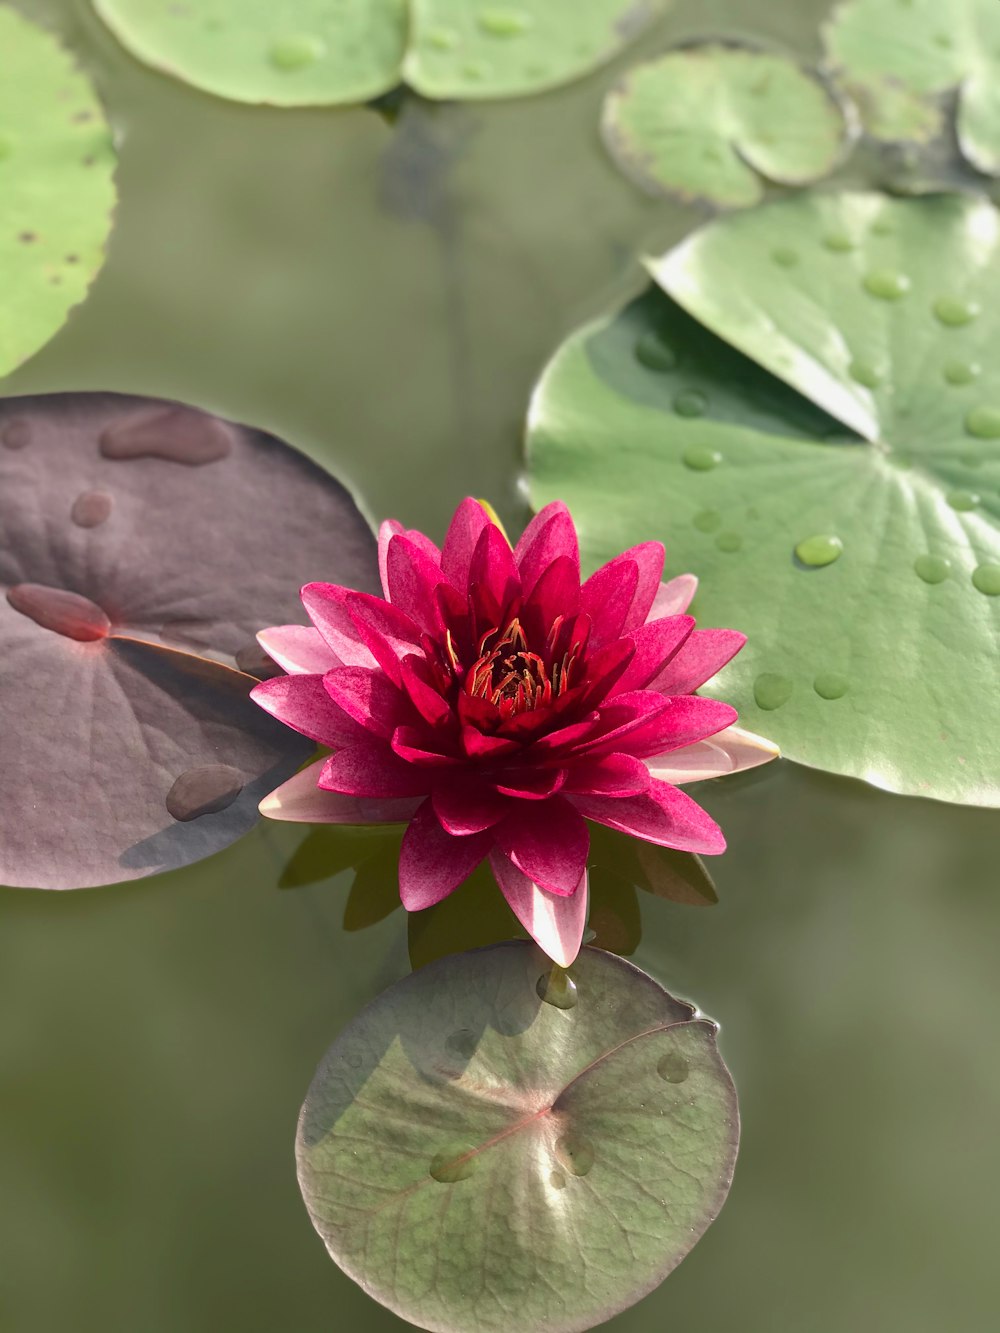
511	676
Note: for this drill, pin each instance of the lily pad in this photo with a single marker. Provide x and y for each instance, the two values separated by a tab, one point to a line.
336	51
56	187
468	1150
823	450
882	48
142	544
707	122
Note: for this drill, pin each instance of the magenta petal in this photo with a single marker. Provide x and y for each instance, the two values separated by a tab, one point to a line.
465	806
428	703
556	593
530	784
550	534
302	703
368	697
687	718
477	745
393	528
611	775
649	557
388	633
371	770
565	739
621	716
674	597
413	577
704	654
301	801
662	815
656	643
554	921
416	746
298	649
548	841
327	607
492	571
432	863
607	597
460	543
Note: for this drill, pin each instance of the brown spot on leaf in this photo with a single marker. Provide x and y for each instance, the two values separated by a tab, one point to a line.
204	791
63	612
16	434
27	237
177	434
91	509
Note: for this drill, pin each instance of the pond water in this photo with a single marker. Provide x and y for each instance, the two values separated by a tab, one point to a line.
384	298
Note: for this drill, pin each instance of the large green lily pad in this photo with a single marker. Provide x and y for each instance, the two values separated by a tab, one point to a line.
56	187
891	52
707	122
301	52
472	1154
818	440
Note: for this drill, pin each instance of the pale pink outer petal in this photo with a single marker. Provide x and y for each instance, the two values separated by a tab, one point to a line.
674	598
555	922
298	649
731	751
300	801
326	604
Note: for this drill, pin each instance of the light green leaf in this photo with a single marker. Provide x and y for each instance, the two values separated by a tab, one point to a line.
706	122
467	1150
884	48
865	571
56	188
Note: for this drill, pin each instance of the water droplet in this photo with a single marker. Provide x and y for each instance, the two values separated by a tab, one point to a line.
476	70
453	1165
504	22
353	1059
887	284
576	1153
839	242
963	501
462	1043
654	353
823	549
986	579
557	987
932	568
16	434
882	227
204	791
700	458
178	434
984	422
729	542
708	520
66	613
771	690
830	686
296	51
690	403
785	257
443	39
954	311
961	372
557	1180
866	373
91	509
673	1068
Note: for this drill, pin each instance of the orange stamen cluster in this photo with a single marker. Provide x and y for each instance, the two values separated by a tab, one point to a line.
510	676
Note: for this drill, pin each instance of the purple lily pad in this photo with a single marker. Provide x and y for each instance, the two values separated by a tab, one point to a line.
142	544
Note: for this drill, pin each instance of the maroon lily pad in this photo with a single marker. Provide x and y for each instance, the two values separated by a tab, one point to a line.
142	544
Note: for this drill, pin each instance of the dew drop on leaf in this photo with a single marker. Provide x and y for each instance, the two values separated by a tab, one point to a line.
831	686
821	550
576	1153
932	568
986	579
692	403
771	690
557	988
673	1068
954	312
887	284
699	458
984	423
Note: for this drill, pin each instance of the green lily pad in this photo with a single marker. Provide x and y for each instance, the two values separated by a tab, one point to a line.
56	187
468	1150
303	52
924	47
831	471
707	122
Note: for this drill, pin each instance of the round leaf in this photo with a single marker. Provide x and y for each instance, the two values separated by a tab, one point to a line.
702	122
142	544
56	188
865	571
467	1150
887	48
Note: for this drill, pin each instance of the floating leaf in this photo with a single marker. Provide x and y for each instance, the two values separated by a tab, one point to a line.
56	188
924	47
138	540
467	1150
335	51
706	122
866	571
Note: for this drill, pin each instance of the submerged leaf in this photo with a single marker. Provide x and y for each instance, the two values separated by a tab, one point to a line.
468	1149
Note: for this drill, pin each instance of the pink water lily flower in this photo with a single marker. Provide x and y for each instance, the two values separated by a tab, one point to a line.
495	703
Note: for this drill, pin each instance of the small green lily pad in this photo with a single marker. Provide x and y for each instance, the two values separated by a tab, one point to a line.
56	187
707	122
488	1137
842	345
885	49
